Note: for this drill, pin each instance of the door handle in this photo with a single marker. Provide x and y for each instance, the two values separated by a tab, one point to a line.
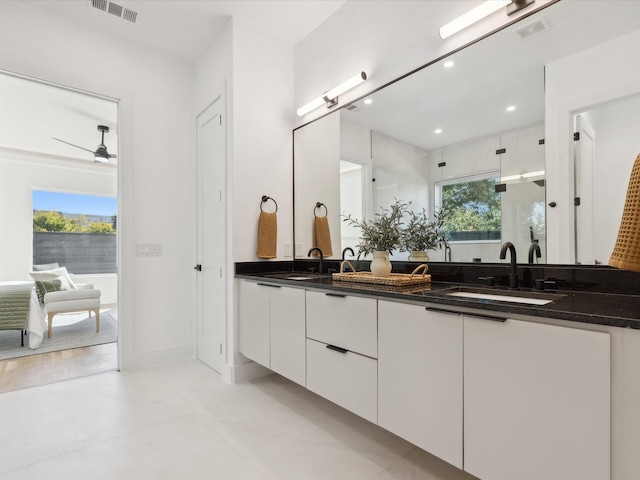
198	268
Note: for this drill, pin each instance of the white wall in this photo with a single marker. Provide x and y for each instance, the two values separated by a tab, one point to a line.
157	161
262	142
577	83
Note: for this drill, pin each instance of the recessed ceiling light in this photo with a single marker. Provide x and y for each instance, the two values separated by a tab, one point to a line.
368	101
511	108
448	64
437	130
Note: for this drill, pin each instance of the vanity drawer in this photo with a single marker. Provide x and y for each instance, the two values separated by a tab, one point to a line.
345	321
346	378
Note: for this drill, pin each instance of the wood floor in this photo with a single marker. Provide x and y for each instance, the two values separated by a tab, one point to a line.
45	368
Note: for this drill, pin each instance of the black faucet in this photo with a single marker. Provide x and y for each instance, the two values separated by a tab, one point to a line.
319	250
534	248
513	273
348	249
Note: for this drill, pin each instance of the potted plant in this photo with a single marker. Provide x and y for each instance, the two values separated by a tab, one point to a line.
381	236
420	234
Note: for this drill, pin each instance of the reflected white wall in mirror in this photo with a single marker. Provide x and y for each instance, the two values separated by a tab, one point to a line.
604	154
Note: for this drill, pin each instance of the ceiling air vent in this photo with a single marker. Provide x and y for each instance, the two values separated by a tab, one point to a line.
130	15
533	28
115	9
351	107
100	4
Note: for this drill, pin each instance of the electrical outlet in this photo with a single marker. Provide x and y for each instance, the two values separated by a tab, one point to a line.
287	249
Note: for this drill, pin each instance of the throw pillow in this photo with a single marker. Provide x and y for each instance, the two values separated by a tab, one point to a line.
45	286
45	266
53	274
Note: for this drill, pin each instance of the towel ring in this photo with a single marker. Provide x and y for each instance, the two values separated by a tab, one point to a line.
266	199
318	205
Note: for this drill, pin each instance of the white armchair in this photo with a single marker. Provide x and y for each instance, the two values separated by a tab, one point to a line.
58	293
66	301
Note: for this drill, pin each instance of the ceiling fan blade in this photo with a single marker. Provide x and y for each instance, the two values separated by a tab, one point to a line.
73	145
113	155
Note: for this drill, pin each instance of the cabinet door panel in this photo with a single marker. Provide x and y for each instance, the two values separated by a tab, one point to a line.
348	322
348	379
288	347
253	322
536	401
420	378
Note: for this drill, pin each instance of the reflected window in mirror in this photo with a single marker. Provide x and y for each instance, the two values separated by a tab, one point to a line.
474	210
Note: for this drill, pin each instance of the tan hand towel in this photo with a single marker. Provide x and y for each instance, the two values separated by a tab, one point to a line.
267	235
322	235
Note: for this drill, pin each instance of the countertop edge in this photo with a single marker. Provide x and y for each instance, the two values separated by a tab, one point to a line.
576	307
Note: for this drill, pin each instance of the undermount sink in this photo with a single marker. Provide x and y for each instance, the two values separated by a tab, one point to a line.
511	296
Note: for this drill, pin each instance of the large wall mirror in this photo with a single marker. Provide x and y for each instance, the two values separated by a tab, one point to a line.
471	127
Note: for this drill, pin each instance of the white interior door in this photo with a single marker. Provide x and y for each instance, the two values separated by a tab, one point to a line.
584	153
211	232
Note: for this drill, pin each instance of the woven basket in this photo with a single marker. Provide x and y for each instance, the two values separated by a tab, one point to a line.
394	279
626	252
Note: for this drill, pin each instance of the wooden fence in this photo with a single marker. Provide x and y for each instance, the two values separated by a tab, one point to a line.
81	253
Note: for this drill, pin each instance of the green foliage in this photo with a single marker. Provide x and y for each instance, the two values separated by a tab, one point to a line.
44	221
47	221
472	206
100	227
384	232
420	234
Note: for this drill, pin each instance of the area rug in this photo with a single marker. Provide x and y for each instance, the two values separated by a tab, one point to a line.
72	331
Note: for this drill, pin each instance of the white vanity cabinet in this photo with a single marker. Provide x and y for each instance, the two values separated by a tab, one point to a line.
342	347
420	377
253	322
272	328
536	401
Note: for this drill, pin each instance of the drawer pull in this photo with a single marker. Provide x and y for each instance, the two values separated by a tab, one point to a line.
338	295
269	285
441	310
337	349
487	317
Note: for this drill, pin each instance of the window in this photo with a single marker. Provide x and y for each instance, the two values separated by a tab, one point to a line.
76	231
474	208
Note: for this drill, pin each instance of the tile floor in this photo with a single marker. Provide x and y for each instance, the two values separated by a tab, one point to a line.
181	421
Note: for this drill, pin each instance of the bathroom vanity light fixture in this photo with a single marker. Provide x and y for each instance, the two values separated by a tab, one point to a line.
481	11
330	98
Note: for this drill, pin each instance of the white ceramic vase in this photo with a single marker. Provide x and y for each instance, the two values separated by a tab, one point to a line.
418	256
380	265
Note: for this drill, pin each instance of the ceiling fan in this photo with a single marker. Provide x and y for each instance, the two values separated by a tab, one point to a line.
100	154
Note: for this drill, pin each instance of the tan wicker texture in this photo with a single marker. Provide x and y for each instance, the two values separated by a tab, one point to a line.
626	252
394	279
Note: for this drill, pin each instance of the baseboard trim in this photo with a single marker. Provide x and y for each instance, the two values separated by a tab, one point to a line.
246	372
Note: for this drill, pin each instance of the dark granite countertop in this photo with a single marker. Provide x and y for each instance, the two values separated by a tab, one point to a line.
618	310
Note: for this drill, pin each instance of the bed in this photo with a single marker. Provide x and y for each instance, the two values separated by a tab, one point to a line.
20	310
